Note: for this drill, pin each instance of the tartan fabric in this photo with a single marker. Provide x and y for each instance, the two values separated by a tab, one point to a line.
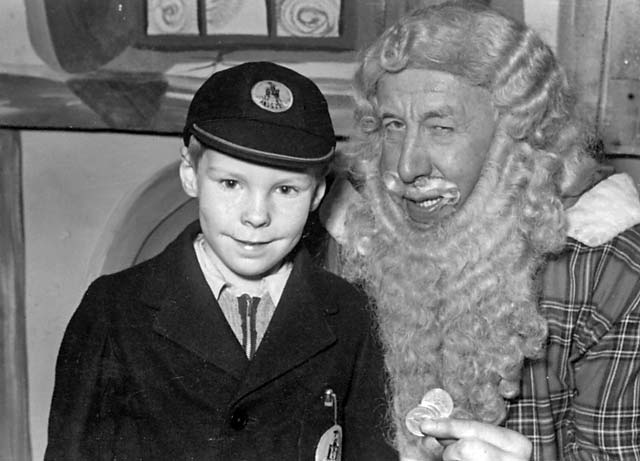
582	401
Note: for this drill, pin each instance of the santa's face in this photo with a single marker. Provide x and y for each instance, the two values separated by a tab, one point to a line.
437	131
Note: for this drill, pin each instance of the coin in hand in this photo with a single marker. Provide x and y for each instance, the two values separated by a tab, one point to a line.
437	403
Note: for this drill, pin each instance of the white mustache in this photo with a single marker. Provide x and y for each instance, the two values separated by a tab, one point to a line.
422	188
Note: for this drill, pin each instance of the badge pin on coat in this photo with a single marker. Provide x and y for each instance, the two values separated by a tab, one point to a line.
330	445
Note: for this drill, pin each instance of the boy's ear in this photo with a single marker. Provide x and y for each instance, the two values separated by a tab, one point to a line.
321	188
188	174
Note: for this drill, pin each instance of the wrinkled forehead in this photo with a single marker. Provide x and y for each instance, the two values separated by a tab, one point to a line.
412	80
423	91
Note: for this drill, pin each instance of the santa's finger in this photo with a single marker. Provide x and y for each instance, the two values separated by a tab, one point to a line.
431	445
477	450
506	439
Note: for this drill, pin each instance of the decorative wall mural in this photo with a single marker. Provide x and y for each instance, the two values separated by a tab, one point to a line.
169	17
236	17
246	21
308	18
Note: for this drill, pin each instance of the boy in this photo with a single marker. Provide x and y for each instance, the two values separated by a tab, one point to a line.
230	344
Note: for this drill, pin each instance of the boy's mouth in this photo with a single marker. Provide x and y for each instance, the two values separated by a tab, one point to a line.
251	245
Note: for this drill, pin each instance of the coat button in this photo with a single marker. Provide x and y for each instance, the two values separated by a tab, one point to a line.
238	419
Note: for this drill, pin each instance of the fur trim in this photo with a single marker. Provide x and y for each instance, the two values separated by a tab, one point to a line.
606	210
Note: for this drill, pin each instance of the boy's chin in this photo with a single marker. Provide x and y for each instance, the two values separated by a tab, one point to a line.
257	272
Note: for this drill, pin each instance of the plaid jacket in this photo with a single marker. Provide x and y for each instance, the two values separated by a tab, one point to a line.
582	400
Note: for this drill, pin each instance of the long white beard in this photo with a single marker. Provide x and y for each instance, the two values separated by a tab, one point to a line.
456	303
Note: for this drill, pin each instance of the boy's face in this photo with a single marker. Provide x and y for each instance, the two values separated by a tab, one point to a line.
251	215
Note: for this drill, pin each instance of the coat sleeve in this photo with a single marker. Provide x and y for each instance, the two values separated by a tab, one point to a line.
606	358
81	422
367	423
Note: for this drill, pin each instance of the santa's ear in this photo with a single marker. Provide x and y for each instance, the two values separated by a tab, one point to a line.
188	174
581	173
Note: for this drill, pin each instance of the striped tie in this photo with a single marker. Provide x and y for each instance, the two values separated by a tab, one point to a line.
248	306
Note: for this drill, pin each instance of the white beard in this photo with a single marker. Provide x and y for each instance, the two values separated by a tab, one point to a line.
456	302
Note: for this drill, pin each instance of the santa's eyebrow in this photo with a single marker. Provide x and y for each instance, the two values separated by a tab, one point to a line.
388	115
445	111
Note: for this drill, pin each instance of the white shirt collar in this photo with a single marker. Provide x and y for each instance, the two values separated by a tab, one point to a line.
273	283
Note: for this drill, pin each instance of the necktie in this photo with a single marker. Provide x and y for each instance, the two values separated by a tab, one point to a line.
248	306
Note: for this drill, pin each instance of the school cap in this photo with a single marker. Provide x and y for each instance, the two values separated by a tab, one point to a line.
264	113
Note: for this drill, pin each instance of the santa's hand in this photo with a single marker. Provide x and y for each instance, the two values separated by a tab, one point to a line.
472	440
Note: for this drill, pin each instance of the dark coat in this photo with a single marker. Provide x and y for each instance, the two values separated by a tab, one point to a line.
150	369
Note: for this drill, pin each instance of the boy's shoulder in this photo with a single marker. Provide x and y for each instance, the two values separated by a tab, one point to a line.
177	262
338	285
123	290
337	294
131	279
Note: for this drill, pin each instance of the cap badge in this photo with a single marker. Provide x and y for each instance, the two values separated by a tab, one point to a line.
272	96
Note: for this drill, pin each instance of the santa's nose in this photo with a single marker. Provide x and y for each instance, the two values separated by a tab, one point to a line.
414	160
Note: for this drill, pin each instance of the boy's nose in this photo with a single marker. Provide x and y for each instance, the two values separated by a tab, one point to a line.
256	212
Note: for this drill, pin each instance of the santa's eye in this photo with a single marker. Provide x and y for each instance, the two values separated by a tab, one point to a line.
392	124
442	128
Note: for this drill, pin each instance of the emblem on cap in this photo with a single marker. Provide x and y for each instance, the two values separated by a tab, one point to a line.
272	96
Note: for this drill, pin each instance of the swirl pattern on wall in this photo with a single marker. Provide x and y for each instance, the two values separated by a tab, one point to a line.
220	12
172	17
309	18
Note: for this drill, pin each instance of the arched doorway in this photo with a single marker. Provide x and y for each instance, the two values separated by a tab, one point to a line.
144	224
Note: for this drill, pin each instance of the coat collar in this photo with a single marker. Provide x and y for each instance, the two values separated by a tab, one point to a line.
298	329
189	315
187	312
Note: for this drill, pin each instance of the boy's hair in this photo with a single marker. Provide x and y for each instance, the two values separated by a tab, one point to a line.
195	151
263	113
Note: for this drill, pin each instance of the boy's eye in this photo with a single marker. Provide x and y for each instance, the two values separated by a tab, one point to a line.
287	190
229	183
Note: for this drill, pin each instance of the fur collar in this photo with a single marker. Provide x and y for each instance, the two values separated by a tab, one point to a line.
607	209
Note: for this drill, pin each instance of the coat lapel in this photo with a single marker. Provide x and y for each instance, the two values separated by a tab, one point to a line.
188	313
297	331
